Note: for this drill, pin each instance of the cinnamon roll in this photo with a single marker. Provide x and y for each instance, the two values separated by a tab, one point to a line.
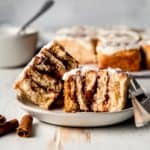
119	49
90	89
40	81
145	47
80	42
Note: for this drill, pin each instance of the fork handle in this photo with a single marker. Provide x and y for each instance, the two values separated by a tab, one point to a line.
141	113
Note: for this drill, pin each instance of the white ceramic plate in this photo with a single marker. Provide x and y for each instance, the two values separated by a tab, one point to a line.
78	119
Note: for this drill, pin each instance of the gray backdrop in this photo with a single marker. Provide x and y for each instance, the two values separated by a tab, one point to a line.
135	13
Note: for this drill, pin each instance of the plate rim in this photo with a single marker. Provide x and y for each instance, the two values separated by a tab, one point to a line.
140	73
40	110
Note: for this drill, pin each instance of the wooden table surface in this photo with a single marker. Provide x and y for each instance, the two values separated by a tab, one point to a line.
124	136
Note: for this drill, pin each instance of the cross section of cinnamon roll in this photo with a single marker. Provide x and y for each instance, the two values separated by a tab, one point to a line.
94	89
40	81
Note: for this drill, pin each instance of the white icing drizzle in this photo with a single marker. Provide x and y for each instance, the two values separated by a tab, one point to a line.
117	40
83	69
86	68
86	42
111	47
112	39
119	35
112	70
77	31
119	27
70	73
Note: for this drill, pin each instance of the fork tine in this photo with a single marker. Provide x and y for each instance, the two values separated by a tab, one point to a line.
132	88
137	90
137	95
136	84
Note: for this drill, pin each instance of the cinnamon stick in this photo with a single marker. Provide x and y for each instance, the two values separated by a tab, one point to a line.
25	126
8	126
2	119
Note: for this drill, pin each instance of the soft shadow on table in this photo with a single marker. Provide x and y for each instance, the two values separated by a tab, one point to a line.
34	129
126	125
14	67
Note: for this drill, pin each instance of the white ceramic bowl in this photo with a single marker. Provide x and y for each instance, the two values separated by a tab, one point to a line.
16	49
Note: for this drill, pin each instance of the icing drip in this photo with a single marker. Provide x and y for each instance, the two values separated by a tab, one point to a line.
77	31
114	41
85	68
111	47
70	73
119	35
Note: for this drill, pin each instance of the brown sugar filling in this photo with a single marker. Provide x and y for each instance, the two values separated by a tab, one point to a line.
71	93
44	81
89	93
59	52
80	81
37	94
106	101
42	64
57	67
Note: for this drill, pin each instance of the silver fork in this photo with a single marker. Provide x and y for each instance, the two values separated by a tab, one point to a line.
140	102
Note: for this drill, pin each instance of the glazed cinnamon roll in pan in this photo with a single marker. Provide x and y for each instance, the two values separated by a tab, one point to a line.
119	49
80	42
